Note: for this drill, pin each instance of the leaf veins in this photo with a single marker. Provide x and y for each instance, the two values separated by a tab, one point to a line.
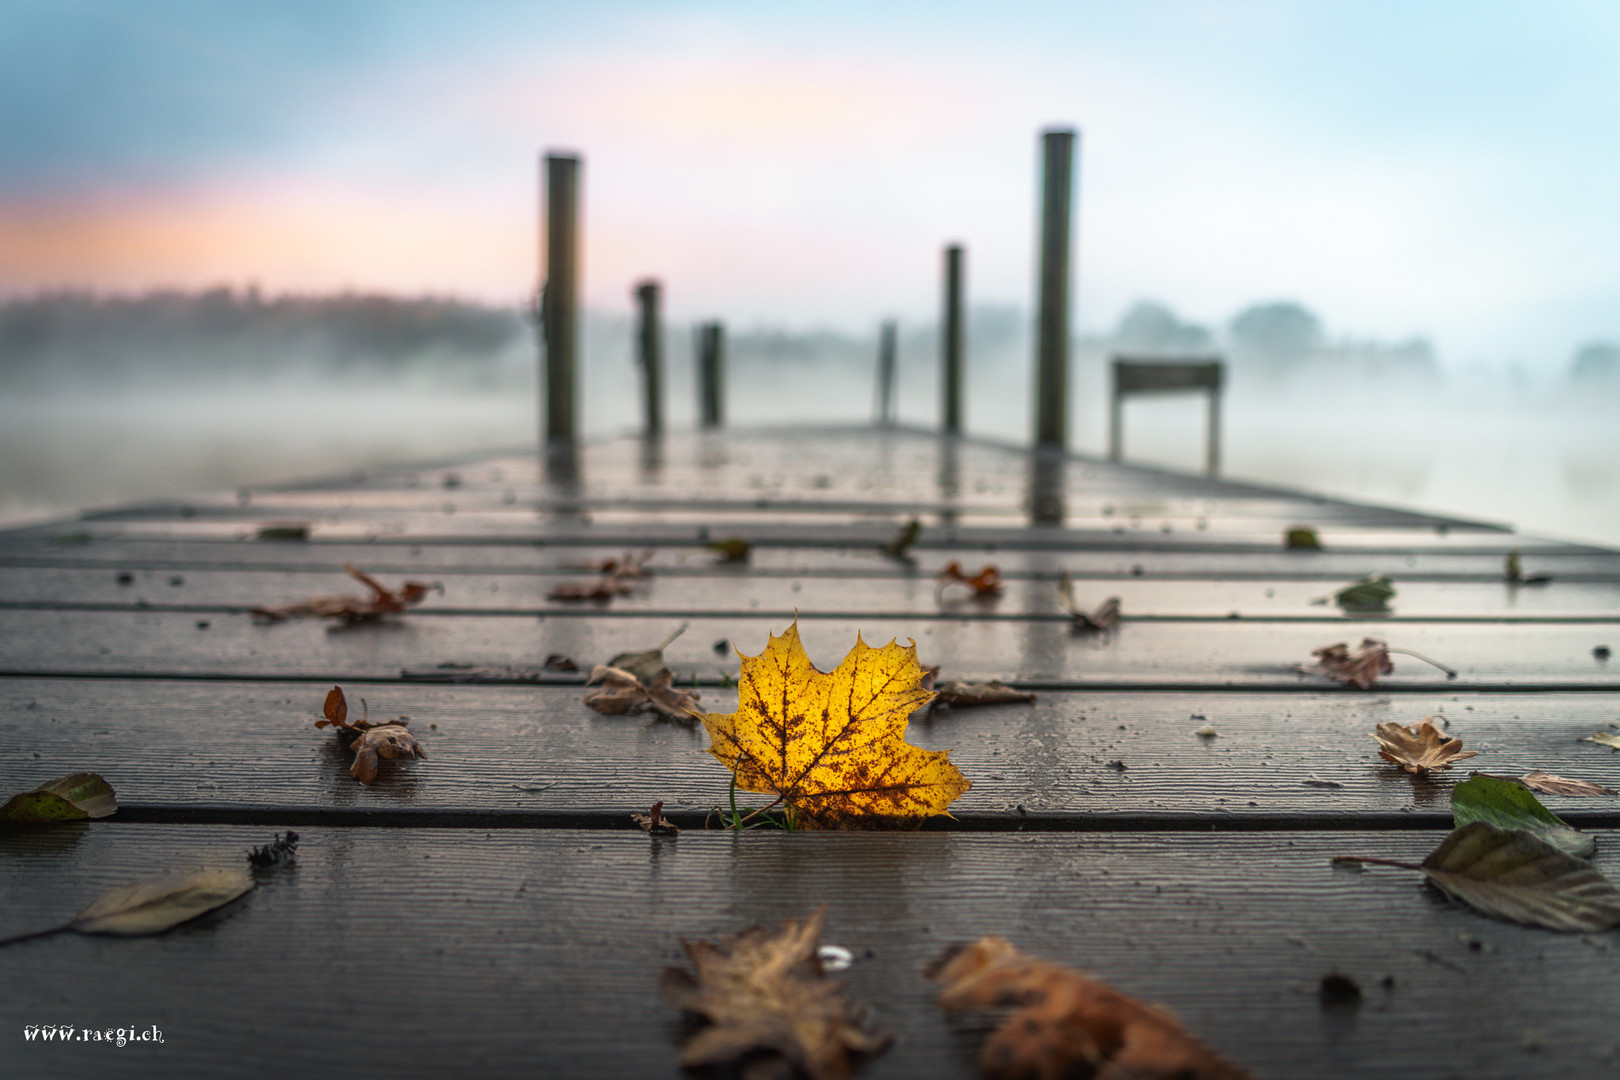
832	744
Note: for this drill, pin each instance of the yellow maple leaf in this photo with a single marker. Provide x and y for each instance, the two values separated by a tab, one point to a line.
832	745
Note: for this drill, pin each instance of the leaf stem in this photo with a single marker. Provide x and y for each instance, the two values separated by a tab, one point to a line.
35	934
761	810
1368	860
1450	674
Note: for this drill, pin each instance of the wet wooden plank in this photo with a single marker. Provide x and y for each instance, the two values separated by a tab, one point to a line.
1233	653
538	754
810	528
396	952
694	582
78	547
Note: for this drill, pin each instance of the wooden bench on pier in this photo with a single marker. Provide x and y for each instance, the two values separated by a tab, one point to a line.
491	910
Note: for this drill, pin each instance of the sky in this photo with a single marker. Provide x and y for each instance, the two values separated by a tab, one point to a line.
1446	169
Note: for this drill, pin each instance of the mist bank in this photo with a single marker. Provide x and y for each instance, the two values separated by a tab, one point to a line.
228	338
106	400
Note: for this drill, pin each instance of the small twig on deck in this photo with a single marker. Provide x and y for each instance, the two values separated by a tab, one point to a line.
35	934
1450	674
1368	860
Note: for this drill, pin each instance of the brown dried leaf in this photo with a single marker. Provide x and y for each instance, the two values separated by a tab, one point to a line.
766	998
621	693
605	587
353	609
368	741
961	695
985	584
1105	618
1359	668
1067	1024
655	823
1548	784
616	579
384	740
1419	749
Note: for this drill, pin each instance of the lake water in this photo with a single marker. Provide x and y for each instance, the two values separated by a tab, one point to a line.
1541	459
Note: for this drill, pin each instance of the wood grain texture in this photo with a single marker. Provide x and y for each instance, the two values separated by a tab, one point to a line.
689	581
514	755
1148	654
396	952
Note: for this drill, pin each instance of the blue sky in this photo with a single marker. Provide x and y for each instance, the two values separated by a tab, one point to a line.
1446	169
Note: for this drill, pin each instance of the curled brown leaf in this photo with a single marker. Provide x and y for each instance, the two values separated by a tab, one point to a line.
654	822
1066	1024
621	693
616	577
963	695
1359	667
353	609
767	1000
368	741
1419	749
1104	618
1548	784
985	584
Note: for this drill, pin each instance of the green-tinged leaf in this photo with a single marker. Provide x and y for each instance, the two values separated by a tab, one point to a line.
648	665
1519	877
292	530
1368	594
1509	805
1302	537
71	798
153	905
900	546
733	549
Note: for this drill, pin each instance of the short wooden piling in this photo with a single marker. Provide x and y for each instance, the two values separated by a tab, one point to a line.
649	354
951	335
1052	322
885	375
559	297
711	375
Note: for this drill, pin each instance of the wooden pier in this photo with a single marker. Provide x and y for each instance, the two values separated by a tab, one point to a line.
491	910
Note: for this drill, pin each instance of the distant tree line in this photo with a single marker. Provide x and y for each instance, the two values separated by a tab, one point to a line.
233	335
1273	341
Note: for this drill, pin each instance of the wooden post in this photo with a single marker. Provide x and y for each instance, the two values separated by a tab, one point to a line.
649	348
1052	323
559	297
711	375
951	334
1212	452
885	375
1116	414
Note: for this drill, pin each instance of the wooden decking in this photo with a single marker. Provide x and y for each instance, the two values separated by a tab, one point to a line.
491	910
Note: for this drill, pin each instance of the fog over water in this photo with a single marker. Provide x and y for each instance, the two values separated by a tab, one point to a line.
1382	423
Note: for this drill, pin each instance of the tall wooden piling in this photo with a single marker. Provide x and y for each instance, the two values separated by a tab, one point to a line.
649	353
1052	322
885	374
951	335
711	375
559	296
